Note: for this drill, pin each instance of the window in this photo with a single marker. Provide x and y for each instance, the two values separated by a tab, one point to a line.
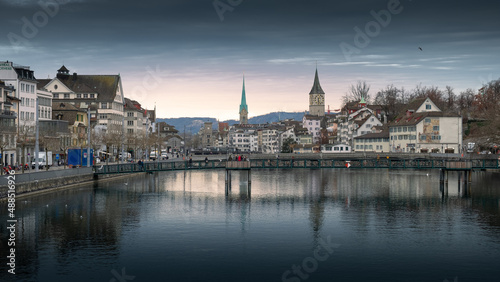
78	95
32	102
404	129
22	86
85	95
92	95
427	120
435	128
32	115
22	101
56	95
32	89
130	114
104	105
390	129
130	130
22	115
66	95
400	137
130	122
399	129
427	107
406	137
423	137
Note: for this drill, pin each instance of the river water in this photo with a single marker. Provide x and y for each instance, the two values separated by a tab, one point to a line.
289	225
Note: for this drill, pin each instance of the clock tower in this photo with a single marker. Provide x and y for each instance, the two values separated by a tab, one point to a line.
317	98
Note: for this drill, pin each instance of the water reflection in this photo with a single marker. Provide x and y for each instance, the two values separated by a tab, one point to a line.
186	221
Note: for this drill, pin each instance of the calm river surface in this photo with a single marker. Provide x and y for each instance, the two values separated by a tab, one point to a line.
293	225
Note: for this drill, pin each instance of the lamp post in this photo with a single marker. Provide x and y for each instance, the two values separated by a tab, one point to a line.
88	136
37	149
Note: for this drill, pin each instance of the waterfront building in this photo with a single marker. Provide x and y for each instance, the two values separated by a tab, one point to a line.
316	98
306	148
135	119
207	135
423	127
105	91
55	137
23	81
169	137
271	138
372	142
243	106
101	94
8	124
223	135
77	122
44	104
240	140
313	125
356	124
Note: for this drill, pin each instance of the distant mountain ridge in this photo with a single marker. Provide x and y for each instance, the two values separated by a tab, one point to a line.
193	124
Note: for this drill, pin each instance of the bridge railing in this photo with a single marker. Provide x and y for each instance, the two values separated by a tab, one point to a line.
390	163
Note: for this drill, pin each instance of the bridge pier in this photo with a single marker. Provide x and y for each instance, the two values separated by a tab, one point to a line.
237	165
228	181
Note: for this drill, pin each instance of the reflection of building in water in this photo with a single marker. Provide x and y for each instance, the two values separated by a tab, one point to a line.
316	197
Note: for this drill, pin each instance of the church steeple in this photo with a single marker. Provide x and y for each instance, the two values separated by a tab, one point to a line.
243	106
316	98
316	89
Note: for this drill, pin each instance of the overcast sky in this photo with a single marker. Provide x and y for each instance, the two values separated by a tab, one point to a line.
189	57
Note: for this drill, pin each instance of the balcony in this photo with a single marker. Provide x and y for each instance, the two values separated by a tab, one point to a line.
7	114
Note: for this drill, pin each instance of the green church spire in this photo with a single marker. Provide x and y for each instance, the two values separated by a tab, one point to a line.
243	104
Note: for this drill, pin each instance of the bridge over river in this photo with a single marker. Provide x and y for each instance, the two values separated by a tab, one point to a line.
311	163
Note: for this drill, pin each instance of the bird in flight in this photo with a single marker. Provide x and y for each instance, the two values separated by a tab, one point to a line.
420	48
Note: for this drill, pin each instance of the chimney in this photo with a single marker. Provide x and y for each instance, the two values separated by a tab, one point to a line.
74	76
409	113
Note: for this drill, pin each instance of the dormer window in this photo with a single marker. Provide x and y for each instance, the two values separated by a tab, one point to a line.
427	107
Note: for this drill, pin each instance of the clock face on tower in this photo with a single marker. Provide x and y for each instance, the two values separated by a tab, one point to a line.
316	99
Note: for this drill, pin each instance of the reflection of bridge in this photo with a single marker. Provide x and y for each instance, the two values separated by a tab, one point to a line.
387	163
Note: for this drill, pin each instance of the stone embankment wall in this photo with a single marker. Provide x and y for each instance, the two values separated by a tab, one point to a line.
42	180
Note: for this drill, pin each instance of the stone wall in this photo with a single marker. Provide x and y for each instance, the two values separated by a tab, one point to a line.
38	181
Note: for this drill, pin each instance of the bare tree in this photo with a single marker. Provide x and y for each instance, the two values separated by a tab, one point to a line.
112	138
7	131
389	99
450	98
465	101
432	92
25	138
358	91
48	141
